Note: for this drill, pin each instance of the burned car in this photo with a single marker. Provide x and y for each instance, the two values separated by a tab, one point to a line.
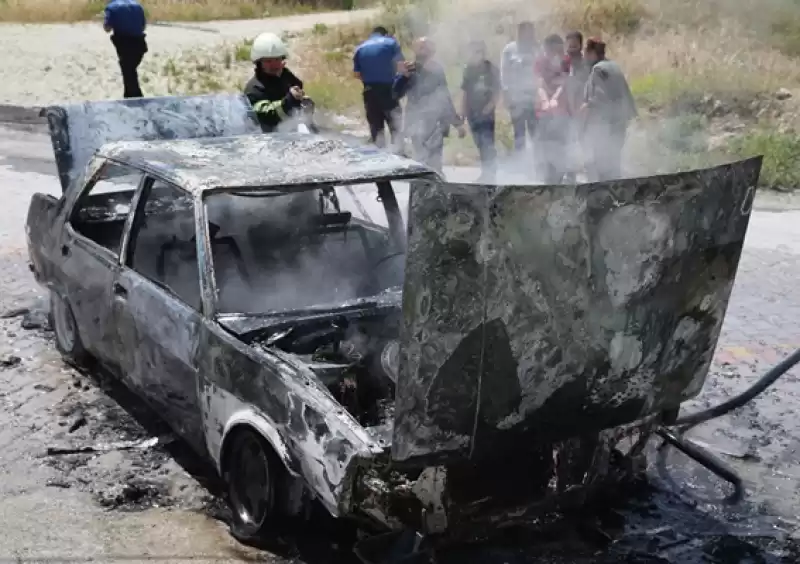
464	358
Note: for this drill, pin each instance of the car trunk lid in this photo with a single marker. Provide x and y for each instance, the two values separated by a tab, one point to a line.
538	313
78	130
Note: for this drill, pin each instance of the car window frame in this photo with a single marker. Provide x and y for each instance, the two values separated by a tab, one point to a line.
71	209
132	230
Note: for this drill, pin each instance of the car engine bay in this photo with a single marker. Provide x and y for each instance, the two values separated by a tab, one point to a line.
357	359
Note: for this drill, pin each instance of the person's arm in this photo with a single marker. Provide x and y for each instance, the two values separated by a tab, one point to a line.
401	85
274	109
107	20
631	101
495	90
450	115
464	93
357	64
398	54
593	91
505	70
541	91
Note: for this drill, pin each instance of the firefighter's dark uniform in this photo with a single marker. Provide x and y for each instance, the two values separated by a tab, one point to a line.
270	97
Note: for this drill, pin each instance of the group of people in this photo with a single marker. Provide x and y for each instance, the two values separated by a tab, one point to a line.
567	98
570	100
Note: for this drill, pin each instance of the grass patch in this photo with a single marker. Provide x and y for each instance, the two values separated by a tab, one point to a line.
602	17
41	11
687	72
781	168
786	30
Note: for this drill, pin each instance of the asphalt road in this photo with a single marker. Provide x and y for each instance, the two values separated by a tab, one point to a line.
154	504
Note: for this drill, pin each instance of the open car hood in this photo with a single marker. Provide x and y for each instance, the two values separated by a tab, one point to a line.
538	313
78	130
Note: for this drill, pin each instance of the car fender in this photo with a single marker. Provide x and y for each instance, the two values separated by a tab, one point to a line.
244	415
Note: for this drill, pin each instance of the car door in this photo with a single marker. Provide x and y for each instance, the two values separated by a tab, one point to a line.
90	252
156	307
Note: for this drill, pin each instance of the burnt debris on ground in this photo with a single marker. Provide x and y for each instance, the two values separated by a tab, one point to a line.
115	447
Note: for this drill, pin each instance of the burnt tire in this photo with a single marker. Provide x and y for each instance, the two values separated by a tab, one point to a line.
68	339
251	473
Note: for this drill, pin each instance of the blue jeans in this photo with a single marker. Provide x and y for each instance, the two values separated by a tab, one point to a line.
482	129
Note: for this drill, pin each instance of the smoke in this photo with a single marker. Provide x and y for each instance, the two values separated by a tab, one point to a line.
713	50
289	260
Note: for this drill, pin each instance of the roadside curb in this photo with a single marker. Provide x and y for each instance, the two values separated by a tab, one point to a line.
21	114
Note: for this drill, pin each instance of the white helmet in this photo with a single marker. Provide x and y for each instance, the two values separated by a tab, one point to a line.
268	46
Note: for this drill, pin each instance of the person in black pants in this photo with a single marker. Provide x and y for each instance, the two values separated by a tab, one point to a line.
125	19
481	92
375	63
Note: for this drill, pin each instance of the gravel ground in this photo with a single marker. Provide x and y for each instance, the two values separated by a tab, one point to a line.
157	502
69	62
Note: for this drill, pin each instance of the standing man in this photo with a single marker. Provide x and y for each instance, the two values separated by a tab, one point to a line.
552	112
577	71
519	83
481	92
375	63
430	112
608	109
126	21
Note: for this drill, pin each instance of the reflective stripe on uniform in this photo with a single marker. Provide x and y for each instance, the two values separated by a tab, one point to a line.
267	107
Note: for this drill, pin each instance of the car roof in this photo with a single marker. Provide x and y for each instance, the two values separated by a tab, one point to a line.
272	161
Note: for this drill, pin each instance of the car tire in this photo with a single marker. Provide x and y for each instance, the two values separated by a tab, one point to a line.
251	473
68	339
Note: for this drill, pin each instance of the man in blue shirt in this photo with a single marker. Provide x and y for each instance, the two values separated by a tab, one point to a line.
126	19
375	63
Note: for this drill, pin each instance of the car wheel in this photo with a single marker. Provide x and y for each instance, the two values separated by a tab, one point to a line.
251	473
68	340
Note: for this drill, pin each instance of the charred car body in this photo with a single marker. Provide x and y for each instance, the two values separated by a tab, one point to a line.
479	355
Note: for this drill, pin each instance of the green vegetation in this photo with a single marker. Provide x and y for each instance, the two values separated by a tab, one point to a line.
781	169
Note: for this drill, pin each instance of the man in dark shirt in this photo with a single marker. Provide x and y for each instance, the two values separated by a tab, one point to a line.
608	109
375	64
481	92
274	91
430	112
126	19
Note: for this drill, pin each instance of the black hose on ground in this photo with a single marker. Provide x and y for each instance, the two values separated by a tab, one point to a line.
700	455
745	397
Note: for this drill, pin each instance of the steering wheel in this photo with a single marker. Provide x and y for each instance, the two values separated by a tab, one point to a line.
372	283
384	258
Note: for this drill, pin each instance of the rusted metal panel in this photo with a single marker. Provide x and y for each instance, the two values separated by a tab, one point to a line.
538	313
78	130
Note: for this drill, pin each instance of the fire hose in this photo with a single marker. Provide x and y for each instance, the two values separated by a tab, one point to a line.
686	422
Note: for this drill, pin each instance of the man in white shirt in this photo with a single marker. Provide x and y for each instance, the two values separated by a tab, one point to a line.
518	82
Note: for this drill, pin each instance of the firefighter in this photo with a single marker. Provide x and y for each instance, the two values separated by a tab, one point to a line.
274	91
429	111
607	111
552	112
